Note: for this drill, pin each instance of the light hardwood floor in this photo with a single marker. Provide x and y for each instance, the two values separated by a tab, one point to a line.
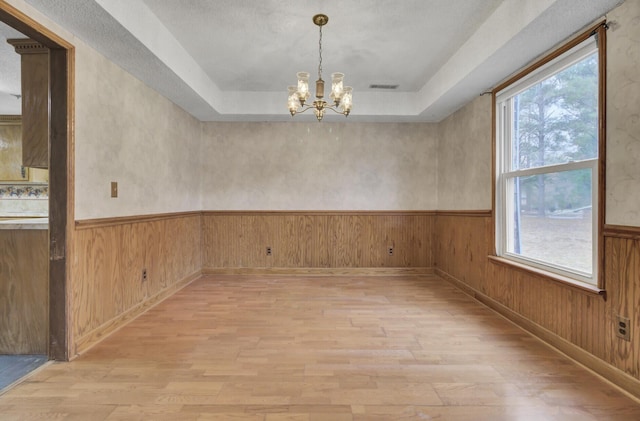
318	348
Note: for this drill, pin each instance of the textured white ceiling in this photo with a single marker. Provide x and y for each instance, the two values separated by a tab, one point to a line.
233	59
259	46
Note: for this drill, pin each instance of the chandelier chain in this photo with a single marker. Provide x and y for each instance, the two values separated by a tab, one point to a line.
320	54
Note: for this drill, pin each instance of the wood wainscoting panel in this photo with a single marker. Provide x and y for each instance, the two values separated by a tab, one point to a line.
586	320
108	287
622	278
24	292
462	244
317	239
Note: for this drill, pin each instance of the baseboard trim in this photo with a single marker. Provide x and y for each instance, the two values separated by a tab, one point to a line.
628	384
395	271
89	340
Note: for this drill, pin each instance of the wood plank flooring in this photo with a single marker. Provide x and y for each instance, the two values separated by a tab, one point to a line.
318	348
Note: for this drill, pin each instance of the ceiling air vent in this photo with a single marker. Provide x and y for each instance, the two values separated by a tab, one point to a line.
382	86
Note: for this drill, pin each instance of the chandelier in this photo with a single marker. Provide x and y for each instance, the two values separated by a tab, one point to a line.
341	96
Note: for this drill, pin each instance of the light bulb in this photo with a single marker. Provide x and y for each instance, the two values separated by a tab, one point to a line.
347	99
303	86
337	88
293	102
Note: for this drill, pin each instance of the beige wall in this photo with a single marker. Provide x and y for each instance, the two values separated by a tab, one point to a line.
127	132
464	158
623	115
319	166
464	149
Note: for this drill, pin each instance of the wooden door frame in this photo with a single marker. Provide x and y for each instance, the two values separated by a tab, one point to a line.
61	172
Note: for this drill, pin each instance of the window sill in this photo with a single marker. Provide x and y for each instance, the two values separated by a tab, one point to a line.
566	281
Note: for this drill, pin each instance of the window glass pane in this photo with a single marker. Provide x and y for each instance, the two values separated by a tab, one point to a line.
556	120
551	219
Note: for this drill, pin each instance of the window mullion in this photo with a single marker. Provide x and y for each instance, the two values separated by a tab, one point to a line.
574	165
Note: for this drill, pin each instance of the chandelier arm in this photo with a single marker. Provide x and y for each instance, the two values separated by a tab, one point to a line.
308	107
335	111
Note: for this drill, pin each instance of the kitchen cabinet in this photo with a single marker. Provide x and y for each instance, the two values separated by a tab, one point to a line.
11	168
35	102
24	288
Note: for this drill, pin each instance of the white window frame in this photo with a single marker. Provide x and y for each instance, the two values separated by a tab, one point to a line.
505	173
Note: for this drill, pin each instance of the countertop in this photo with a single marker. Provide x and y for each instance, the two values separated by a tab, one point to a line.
24	224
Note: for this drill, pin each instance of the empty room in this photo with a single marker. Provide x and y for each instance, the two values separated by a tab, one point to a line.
319	210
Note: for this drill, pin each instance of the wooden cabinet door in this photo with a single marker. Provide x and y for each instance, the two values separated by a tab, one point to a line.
11	168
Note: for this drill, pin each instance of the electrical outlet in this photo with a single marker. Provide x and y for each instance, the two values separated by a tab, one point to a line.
114	189
623	328
144	275
390	251
268	251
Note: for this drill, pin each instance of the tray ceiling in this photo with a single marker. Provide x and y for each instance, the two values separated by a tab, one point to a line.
232	60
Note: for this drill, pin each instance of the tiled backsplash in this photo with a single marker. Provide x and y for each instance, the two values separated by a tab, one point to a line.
24	191
24	199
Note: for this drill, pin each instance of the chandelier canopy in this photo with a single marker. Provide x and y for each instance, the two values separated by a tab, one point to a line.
341	96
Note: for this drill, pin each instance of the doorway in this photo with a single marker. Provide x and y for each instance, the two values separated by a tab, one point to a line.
60	144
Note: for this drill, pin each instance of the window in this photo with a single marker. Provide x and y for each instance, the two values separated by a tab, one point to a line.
547	163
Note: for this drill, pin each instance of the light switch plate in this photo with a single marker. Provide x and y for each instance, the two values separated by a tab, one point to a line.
114	189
